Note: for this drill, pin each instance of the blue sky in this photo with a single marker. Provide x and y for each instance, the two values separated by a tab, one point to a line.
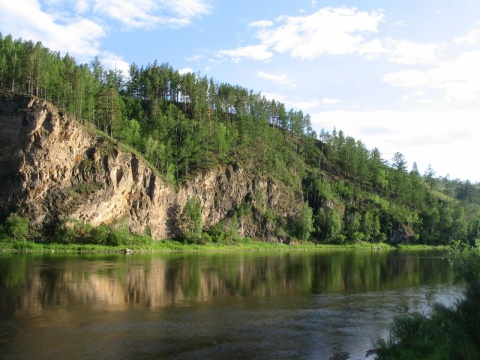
398	75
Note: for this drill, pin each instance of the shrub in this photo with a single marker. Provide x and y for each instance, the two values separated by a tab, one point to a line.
17	227
191	219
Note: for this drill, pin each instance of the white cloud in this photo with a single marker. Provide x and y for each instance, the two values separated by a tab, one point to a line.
149	13
78	36
261	24
371	49
131	14
82	6
278	78
472	37
194	58
112	61
188	8
186	71
333	31
458	78
254	52
409	53
444	140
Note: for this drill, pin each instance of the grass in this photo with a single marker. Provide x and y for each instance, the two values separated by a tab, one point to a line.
169	245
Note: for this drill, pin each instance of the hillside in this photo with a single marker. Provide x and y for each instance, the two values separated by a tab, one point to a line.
179	155
55	170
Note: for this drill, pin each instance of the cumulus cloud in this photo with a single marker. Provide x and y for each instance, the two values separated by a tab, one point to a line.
149	13
131	14
338	31
329	31
188	9
409	53
254	52
332	31
78	36
261	24
186	71
458	78
113	61
277	78
82	6
371	49
196	57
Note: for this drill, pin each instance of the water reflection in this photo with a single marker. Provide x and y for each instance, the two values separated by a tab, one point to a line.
178	305
31	283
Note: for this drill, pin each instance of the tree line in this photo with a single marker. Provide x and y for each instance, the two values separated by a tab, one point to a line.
186	122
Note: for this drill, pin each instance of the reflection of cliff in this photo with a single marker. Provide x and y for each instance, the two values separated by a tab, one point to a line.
152	283
121	282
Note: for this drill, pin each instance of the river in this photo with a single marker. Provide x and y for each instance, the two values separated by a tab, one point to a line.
239	305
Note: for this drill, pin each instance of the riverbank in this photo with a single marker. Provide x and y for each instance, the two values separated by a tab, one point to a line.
176	246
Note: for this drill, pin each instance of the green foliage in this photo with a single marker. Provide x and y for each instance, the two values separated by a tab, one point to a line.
224	232
83	188
259	202
217	233
328	224
72	231
232	232
269	215
16	228
244	210
130	132
303	224
448	333
191	220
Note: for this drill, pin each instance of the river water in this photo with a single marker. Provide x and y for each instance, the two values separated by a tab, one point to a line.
241	305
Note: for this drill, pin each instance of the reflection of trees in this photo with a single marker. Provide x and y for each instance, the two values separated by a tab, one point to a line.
33	283
373	271
48	291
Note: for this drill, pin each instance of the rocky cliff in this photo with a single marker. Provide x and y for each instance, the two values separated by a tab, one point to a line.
53	168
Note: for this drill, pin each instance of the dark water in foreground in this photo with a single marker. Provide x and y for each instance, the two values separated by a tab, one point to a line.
302	305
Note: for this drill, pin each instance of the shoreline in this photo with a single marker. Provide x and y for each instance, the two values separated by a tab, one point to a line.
169	246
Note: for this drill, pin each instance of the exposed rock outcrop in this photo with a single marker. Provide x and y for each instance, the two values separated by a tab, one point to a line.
53	168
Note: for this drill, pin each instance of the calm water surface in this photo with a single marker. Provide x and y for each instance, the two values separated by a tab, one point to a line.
302	305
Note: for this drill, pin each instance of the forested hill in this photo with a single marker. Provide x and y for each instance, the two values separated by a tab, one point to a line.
186	124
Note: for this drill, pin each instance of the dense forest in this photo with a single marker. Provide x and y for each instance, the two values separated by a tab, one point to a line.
183	123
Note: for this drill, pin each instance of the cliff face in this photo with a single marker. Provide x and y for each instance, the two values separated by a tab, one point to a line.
52	168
